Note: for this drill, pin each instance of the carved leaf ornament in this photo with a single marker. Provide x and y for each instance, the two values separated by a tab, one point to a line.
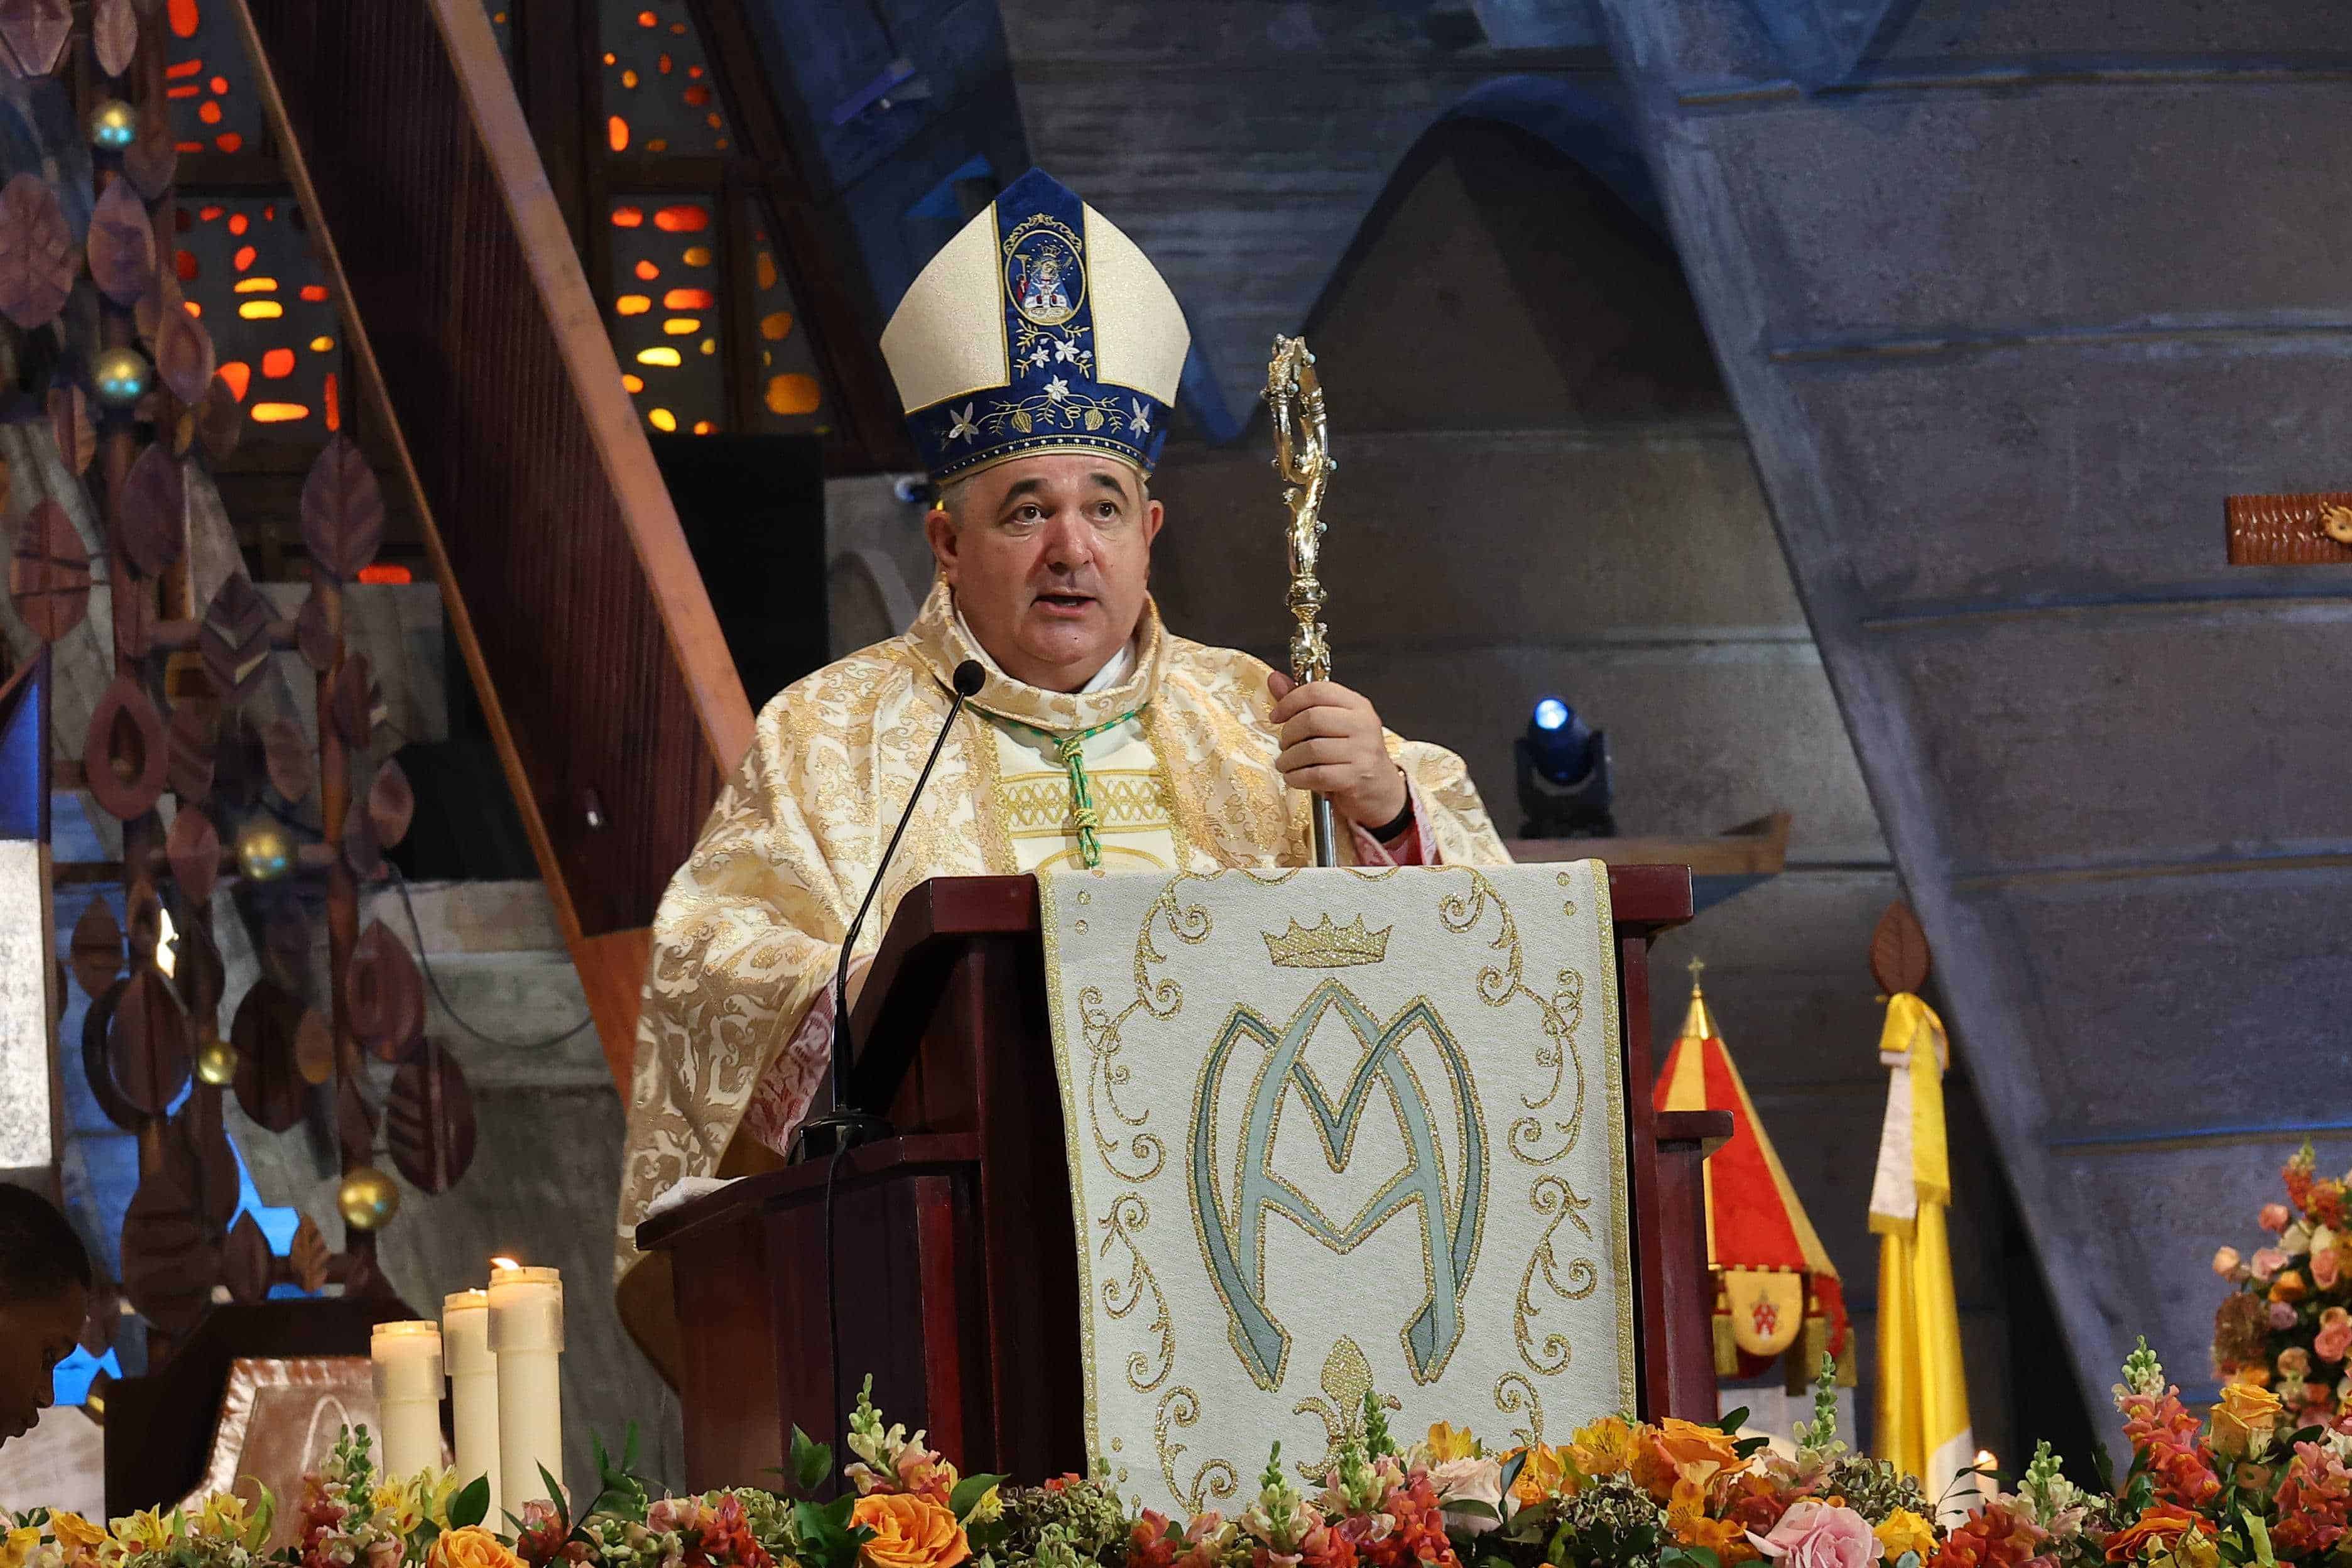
48	576
37	252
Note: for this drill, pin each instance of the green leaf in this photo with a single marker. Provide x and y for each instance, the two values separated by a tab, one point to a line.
1730	1424
1472	1507
2308	1435
811	1461
1511	1468
968	1494
555	1495
2258	1534
1746	1446
1689	1557
471	1503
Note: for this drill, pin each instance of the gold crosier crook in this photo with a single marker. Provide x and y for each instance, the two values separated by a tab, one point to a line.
1302	456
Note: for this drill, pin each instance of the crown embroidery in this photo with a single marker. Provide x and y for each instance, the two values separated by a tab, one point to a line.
1326	946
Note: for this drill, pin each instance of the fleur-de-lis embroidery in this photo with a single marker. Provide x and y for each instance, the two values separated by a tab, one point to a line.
964	429
1141	423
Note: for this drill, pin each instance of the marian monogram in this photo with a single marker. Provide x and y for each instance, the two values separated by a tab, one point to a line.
1447	1204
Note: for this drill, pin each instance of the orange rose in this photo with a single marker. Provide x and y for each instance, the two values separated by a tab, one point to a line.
471	1547
2161	1526
908	1533
2289	1287
1681	1450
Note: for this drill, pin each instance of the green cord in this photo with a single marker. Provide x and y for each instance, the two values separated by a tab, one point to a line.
1082	798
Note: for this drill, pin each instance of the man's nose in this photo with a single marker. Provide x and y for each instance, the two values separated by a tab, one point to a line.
1068	545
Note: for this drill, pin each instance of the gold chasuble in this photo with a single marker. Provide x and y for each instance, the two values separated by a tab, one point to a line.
1179	773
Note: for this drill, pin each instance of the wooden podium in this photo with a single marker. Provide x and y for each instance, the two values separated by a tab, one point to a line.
953	1242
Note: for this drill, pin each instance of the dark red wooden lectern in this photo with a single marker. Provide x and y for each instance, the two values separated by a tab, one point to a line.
956	1256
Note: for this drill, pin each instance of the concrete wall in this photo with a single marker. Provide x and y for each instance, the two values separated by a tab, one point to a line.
2007	315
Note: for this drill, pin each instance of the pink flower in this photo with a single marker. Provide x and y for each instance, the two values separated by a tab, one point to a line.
2225	1262
2282	1315
1818	1535
2294	1361
2275	1218
2333	1341
2267	1262
2326	1268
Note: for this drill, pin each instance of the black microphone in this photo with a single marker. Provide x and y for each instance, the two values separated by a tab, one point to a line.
845	1126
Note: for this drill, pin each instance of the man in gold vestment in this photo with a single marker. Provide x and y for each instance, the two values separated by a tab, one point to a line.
1098	738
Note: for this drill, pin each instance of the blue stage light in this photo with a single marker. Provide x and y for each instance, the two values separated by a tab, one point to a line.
1551	713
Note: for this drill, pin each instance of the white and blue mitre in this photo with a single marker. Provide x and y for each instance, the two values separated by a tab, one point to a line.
1039	327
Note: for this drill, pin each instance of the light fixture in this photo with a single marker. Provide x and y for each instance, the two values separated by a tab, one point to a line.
1563	775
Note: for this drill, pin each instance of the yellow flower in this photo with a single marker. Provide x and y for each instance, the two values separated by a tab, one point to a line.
1602	1448
74	1533
19	1544
1449	1442
222	1517
989	1509
1544	1474
1906	1531
2243	1421
145	1532
472	1547
1688	1518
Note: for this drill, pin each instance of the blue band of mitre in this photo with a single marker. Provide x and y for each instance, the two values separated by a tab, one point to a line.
1054	402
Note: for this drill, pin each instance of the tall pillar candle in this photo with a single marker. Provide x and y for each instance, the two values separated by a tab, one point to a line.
473	1390
405	1358
527	1338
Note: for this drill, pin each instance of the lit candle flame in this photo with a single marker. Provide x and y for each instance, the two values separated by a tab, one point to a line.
165	959
504	1263
1985	1460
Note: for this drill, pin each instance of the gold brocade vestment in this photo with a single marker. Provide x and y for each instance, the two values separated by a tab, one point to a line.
749	930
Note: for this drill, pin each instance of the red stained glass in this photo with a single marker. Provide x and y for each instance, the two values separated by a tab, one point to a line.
698	95
183	266
178	68
185	90
683	219
209	113
269	213
334	403
243	259
185	18
647	19
229	141
314	293
239	375
689	299
238	223
628	217
208	214
219	84
666	65
277	363
385	572
649	271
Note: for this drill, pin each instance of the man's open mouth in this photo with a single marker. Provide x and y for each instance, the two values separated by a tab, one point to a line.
1066	601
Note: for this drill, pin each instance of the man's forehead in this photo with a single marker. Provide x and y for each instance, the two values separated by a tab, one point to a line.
1049	472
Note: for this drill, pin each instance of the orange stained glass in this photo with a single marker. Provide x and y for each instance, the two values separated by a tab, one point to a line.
208	214
314	293
277	363
713	120
628	217
698	256
333	399
698	95
766	266
183	266
178	68
629	78
633	304
678	28
238	377
681	327
185	18
244	257
617	134
219	84
664	355
385	572
776	325
683	219
689	299
228	141
269	213
608	57
632	381
711	345
792	395
256	286
321	345
647	19
238	223
694	72
649	271
666	65
209	112
279	412
658	144
261	309
705	427
191	306
661	419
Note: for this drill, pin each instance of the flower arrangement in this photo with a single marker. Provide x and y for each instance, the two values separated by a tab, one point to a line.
2287	1327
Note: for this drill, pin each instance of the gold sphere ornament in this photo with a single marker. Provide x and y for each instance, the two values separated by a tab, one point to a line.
367	1198
114	125
122	376
265	851
217	1062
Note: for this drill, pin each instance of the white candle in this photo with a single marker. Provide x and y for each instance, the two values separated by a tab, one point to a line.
406	1360
527	1338
473	1390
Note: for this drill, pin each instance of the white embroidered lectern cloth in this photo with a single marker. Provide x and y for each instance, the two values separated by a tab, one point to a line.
1332	1132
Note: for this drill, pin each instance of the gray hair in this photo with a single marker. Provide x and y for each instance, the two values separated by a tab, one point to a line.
951	495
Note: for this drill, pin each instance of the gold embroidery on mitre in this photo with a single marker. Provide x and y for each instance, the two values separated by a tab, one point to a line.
1326	946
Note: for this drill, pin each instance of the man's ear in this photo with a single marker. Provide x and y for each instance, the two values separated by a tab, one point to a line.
939	530
1154	514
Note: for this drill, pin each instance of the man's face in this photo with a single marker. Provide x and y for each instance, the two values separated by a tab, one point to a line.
1049	557
35	1333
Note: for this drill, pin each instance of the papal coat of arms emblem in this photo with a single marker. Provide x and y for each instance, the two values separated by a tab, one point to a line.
1043	275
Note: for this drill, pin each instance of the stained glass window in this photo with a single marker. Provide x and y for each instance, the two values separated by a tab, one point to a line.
658	96
246	267
669	314
208	80
790	399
